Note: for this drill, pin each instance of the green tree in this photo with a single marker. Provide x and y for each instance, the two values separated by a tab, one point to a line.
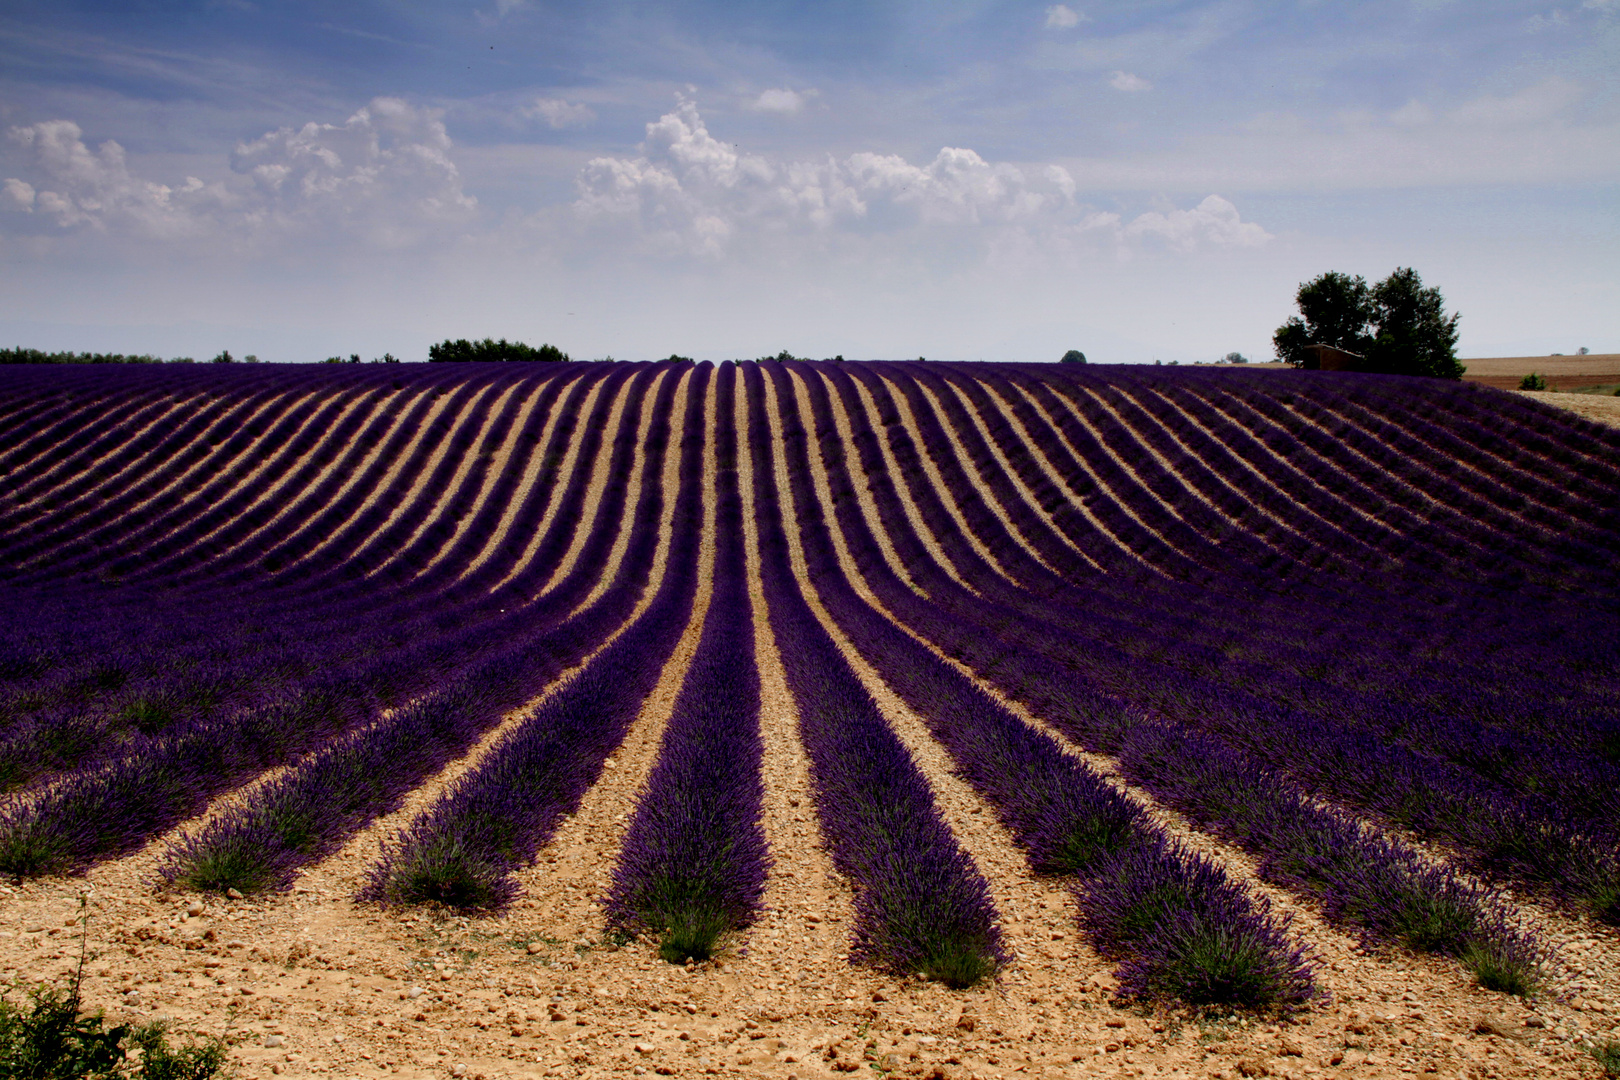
1073	356
1398	326
1336	310
1413	335
489	350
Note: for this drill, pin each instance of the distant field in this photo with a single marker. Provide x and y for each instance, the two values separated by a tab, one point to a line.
1561	372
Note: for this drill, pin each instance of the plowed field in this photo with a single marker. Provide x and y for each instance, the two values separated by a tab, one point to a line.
795	719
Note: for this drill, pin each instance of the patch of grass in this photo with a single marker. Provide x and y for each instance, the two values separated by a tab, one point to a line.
1608	1058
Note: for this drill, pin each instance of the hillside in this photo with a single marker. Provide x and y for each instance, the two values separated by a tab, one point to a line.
941	719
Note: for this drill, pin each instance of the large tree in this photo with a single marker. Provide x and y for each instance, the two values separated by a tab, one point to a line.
1397	325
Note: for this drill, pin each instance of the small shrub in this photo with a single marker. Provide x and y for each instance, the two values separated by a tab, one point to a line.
52	1038
1532	381
49	1037
1608	1058
1205	960
693	934
1497	964
443	871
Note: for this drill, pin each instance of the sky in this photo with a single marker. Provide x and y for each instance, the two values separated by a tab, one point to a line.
953	179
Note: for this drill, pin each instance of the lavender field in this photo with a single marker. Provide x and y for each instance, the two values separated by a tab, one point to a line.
1238	664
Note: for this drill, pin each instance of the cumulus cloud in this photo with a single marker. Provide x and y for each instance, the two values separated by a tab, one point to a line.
95	189
1131	84
1062	17
1213	221
781	100
690	192
385	172
19	194
384	175
558	113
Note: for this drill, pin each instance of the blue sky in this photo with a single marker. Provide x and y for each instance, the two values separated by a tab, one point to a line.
982	180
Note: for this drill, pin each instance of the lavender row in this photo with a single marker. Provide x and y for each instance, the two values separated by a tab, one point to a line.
1204	940
921	907
1420	792
104	811
63	538
439	606
464	849
1364	879
1478	926
1371	882
1560	533
1132	493
693	863
1587	786
307	813
69	551
1486	538
1279	542
441	610
257	542
60	456
1459	741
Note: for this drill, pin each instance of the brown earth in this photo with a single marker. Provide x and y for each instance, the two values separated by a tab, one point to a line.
1605	410
1561	372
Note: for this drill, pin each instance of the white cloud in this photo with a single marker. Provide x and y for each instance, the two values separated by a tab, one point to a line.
1131	84
1213	221
1062	17
94	188
559	113
20	194
781	100
689	192
384	175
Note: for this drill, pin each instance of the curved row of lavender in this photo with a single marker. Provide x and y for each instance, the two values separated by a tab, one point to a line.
1301	608
693	863
1526	806
1378	885
921	906
464	849
148	781
1182	928
309	811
